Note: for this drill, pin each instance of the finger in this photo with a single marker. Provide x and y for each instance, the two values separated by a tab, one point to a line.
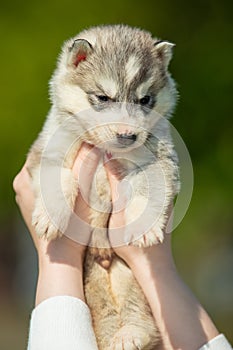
115	170
115	173
120	187
87	160
21	180
114	182
85	167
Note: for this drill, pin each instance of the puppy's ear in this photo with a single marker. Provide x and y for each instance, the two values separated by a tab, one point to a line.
163	51
79	51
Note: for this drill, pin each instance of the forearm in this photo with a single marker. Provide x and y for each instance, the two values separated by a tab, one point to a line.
59	279
182	321
60	270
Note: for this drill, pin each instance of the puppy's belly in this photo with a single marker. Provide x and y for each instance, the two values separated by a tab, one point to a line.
116	300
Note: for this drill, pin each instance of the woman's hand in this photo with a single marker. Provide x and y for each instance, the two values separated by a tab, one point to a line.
129	253
60	260
182	321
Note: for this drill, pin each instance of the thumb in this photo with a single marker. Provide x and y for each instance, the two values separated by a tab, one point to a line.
119	187
113	170
85	166
87	160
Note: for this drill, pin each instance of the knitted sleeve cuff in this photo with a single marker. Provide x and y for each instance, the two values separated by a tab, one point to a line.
61	323
218	343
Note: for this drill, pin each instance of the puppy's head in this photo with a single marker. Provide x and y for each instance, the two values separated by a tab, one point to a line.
114	80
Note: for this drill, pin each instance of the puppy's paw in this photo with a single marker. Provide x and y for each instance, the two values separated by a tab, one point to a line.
50	224
43	225
144	232
130	338
54	207
145	222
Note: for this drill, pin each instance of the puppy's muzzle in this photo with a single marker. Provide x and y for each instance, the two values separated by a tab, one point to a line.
126	139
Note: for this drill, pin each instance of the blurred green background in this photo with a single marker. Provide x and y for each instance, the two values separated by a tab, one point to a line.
31	34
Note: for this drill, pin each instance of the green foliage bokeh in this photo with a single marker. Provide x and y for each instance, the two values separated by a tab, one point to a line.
31	34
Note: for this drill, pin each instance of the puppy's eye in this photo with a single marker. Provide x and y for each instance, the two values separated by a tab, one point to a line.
145	100
103	98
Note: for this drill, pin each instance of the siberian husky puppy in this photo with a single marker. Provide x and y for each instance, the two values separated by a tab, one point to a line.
112	89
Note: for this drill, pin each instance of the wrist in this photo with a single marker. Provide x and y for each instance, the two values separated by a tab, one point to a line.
61	250
59	279
146	267
60	271
157	257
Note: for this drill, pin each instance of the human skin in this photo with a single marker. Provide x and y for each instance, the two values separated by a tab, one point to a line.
182	321
60	261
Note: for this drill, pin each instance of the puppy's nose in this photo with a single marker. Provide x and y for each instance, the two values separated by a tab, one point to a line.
126	139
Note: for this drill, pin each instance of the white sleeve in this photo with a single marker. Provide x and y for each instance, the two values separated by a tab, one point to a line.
61	323
218	343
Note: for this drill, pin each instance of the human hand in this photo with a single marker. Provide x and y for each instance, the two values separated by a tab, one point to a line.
158	254
87	159
182	322
60	260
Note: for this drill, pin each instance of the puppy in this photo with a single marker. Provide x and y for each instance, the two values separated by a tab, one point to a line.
112	89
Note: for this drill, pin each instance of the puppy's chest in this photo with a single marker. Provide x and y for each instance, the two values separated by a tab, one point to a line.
125	165
136	159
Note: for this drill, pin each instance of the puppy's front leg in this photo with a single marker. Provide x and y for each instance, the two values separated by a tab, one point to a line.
54	201
55	189
152	192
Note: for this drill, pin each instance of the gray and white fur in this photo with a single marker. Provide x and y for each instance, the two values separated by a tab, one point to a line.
112	89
